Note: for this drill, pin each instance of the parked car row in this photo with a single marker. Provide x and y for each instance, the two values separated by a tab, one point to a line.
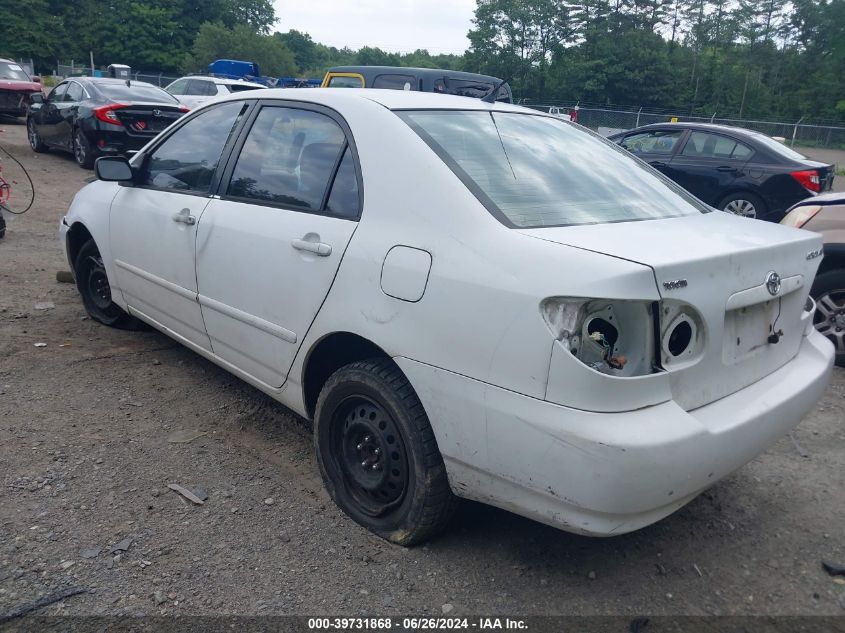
740	171
564	333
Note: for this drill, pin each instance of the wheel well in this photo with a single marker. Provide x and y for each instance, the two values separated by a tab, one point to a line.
834	258
76	237
327	356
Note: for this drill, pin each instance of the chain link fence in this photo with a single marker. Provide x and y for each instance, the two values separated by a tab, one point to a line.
607	121
74	69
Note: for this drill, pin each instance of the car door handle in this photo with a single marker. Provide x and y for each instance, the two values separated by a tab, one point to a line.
318	248
726	168
185	217
658	164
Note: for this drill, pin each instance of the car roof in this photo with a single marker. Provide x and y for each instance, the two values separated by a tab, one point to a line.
222	80
390	99
419	72
710	127
109	80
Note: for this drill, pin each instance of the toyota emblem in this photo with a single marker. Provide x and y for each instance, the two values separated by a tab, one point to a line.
156	112
773	283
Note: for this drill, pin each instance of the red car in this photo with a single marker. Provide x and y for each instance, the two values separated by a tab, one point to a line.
16	86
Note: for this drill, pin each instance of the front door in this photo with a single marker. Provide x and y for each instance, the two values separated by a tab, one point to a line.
268	250
48	117
153	224
655	147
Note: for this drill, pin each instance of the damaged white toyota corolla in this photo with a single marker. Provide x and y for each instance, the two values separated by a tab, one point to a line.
468	299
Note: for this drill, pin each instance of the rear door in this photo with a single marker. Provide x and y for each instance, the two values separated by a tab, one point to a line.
153	225
268	250
709	165
655	146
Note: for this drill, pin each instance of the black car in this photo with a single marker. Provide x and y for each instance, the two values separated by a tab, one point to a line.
450	82
97	116
733	169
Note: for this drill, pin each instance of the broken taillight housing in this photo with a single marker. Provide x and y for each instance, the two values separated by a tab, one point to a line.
615	337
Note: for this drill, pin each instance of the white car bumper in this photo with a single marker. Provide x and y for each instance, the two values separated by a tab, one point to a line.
608	473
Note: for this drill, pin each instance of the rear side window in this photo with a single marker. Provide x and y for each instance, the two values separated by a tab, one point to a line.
240	87
395	82
200	88
187	160
337	81
652	142
706	145
288	158
344	200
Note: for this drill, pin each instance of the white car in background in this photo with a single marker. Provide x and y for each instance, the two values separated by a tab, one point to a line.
468	299
195	90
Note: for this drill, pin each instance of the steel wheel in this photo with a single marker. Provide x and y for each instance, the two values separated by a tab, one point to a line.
98	283
93	285
830	318
378	455
372	455
745	208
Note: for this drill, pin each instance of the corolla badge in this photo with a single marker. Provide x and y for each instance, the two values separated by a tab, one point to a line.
773	283
156	112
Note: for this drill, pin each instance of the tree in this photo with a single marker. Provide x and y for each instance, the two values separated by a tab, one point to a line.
216	41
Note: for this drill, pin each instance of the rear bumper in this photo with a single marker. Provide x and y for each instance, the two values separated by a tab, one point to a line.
609	473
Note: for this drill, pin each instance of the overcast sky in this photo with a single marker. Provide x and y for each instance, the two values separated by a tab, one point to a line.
392	25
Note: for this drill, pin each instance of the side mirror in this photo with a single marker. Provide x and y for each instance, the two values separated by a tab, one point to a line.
36	97
36	79
113	169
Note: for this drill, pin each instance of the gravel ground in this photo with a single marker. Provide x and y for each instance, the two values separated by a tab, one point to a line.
93	428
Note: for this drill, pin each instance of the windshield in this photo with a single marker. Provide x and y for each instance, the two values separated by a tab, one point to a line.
778	147
532	171
119	91
13	71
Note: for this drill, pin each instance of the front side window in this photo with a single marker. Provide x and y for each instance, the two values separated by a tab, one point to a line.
653	142
201	88
707	145
395	82
178	87
188	159
74	92
288	158
58	93
339	81
532	171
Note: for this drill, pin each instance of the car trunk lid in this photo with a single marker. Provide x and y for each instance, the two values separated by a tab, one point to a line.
147	119
718	265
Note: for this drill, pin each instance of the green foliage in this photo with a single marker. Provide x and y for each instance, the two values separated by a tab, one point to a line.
216	41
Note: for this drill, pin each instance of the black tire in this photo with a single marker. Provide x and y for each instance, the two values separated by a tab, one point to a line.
828	291
35	141
400	491
2	226
93	285
744	204
84	154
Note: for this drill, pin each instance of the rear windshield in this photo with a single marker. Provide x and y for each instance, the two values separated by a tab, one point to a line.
13	72
135	92
778	148
532	171
470	88
240	87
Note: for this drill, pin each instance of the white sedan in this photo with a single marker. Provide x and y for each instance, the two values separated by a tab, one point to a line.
195	90
468	299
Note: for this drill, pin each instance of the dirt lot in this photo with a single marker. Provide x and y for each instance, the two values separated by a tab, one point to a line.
87	425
